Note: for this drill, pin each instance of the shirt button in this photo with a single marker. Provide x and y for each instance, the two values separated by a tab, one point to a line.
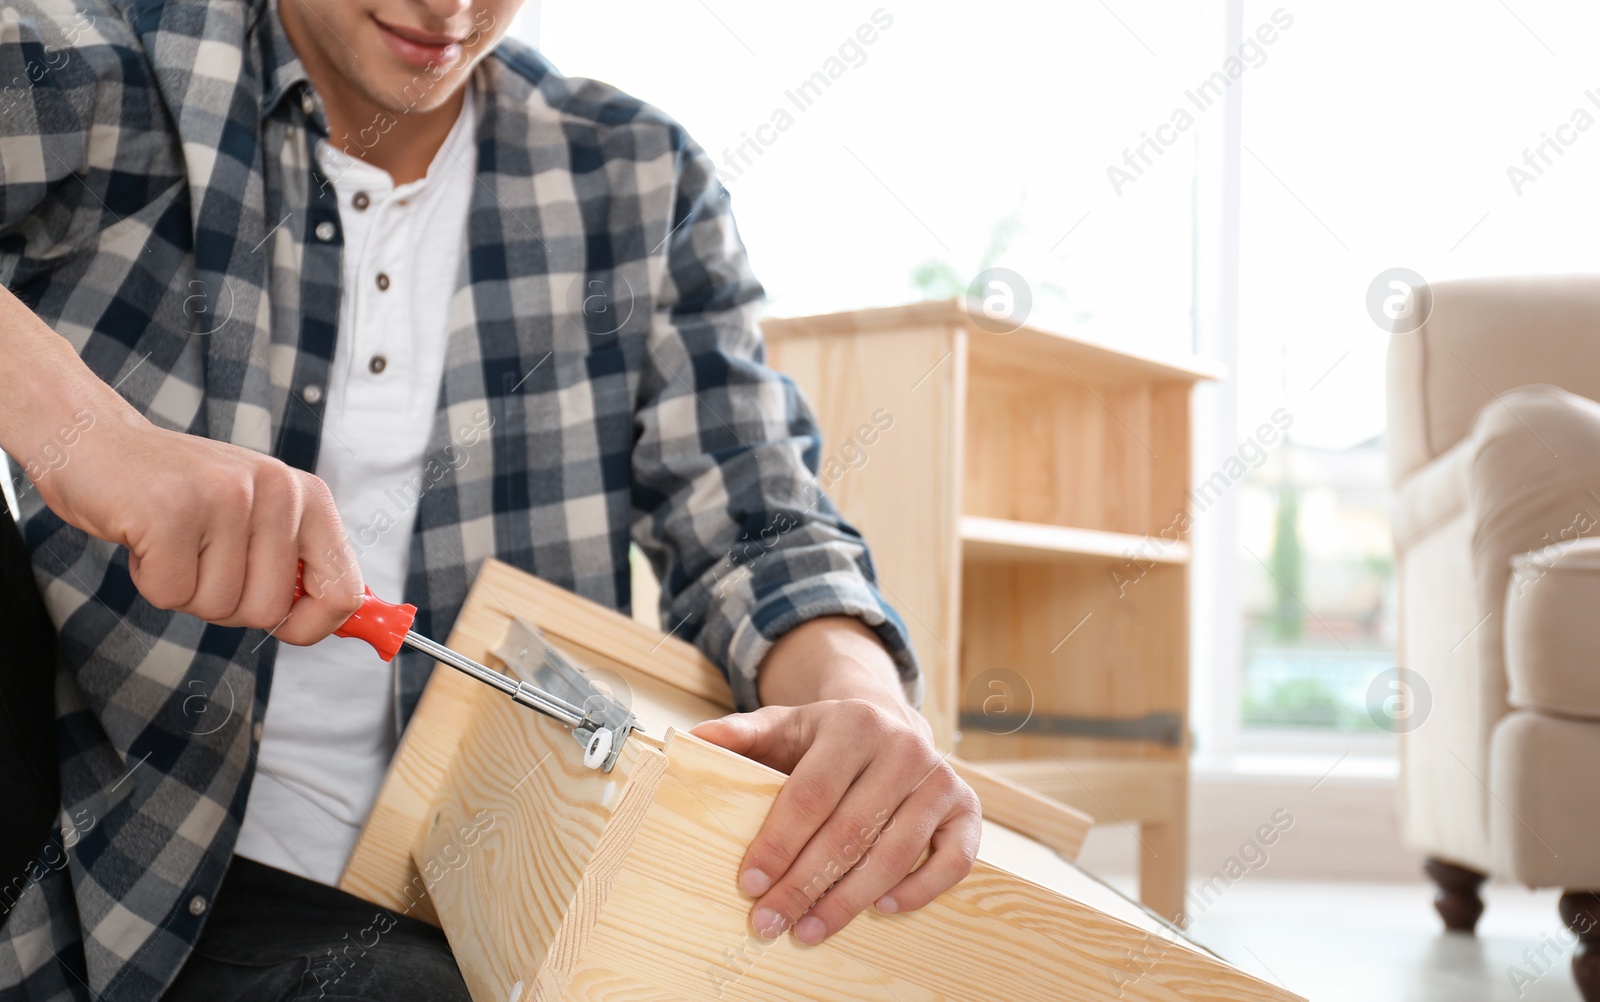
360	200
197	905
325	231
308	104
378	364
383	281
255	732
312	394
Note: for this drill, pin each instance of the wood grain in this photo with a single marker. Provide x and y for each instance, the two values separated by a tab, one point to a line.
553	881
993	937
517	896
665	681
542	831
1077	641
1046	446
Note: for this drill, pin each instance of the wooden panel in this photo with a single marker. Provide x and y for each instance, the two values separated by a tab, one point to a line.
1027	346
665	681
890	408
581	885
1025	811
1151	793
1082	641
520	810
1169	483
998	538
381	868
992	937
1115	791
599	638
1045	446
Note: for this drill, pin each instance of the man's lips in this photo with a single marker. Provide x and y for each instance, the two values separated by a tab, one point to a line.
419	48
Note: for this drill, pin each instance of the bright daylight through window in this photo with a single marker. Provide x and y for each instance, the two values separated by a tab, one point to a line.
1102	206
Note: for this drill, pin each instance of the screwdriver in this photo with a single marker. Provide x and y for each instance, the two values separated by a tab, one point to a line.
386	626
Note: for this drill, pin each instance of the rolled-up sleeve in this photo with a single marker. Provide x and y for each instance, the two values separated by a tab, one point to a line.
726	500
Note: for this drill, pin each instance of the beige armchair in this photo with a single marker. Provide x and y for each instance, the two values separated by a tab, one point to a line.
1494	445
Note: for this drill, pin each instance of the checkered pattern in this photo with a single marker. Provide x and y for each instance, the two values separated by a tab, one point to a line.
604	381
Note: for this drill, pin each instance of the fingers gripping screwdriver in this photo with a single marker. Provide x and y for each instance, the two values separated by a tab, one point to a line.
599	725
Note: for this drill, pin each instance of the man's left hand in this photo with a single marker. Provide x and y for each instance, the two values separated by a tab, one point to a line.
867	793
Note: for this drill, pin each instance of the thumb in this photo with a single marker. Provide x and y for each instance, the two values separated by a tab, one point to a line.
732	732
772	735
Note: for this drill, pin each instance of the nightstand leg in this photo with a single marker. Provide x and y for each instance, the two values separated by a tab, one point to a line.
1164	859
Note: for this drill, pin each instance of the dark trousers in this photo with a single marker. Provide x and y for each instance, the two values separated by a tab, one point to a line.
30	788
274	937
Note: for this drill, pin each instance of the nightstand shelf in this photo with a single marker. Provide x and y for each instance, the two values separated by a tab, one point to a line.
1002	539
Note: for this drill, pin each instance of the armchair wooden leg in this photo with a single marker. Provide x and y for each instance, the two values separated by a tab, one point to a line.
1580	910
1457	902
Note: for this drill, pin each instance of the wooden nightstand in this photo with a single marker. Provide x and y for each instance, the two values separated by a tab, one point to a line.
1026	499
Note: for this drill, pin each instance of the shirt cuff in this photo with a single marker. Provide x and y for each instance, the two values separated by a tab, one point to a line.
835	594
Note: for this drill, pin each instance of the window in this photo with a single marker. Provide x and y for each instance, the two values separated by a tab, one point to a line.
1378	136
879	152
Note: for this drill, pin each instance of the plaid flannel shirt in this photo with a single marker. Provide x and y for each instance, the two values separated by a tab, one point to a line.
161	208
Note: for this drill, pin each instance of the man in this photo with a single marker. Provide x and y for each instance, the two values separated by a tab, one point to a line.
501	313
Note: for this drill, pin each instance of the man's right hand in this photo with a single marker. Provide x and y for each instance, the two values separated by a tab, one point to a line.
212	530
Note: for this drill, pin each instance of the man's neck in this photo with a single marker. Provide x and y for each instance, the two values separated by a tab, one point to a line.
403	143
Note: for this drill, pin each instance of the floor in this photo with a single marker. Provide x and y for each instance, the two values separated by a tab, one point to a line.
1343	942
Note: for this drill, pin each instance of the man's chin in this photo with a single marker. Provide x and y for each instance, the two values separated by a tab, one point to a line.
404	91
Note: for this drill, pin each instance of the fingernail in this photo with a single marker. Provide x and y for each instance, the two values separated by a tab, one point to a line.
754	882
888	905
769	924
810	930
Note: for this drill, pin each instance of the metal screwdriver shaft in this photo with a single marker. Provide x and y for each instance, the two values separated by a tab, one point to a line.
522	692
386	626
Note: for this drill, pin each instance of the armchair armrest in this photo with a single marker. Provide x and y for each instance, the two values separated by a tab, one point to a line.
1526	476
1532	477
1552	630
1432	495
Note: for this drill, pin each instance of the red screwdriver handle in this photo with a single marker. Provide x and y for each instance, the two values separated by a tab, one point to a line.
382	624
